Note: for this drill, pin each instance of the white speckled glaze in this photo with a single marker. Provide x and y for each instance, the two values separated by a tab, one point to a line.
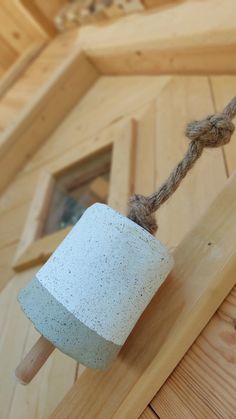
106	271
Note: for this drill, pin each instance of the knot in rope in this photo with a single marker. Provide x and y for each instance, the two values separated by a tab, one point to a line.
213	131
141	213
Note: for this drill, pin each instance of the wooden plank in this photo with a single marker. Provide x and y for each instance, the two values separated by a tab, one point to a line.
43	113
122	175
204	383
152	4
145	151
37	214
97	114
37	12
187	45
40	250
184	99
223	89
19	66
51	8
8	54
17	28
202	277
148	413
11	225
6	271
35	76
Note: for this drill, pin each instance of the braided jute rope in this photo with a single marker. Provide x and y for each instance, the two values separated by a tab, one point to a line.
213	131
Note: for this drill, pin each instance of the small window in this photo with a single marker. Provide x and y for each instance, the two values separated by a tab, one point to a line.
76	190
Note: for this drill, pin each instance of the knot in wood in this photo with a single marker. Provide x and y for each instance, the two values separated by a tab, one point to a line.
141	213
213	131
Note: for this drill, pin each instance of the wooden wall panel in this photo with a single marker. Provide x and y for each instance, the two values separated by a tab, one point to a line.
203	384
172	41
18	31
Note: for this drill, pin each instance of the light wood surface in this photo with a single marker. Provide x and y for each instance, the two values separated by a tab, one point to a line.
203	384
168	41
18	32
148	413
37	74
145	128
48	105
20	66
44	13
39	250
37	214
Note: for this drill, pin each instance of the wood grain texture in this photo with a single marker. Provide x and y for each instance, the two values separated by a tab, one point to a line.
37	214
223	89
187	45
122	175
8	55
37	74
20	66
148	413
200	280
184	99
38	12
111	100
17	335
41	116
38	252
145	128
203	384
18	32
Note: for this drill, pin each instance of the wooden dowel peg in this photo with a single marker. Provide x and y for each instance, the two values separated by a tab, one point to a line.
34	360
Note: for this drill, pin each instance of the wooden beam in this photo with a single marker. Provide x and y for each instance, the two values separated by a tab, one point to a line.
33	8
36	217
19	66
169	41
205	264
145	150
8	54
45	110
152	4
40	250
